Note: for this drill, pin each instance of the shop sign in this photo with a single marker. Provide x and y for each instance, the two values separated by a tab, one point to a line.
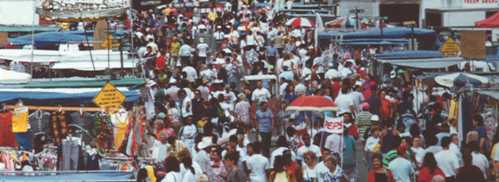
450	48
480	3
109	98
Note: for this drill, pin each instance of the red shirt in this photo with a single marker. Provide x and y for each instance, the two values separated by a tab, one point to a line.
160	62
426	176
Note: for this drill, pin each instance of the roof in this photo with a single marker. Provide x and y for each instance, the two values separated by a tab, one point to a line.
409	55
22	28
76	83
432	63
490	22
491	93
388	32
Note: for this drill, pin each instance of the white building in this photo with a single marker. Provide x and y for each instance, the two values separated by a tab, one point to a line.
455	13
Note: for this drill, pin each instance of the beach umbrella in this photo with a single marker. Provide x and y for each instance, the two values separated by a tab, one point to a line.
460	79
312	103
298	22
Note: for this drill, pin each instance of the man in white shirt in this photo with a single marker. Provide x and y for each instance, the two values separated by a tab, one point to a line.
478	159
282	146
191	73
185	53
308	146
202	49
257	164
260	93
345	101
447	160
401	168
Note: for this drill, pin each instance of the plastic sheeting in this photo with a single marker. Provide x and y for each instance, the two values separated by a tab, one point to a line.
434	63
409	55
48	97
394	32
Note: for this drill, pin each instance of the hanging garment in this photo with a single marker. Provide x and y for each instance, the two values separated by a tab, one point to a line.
24	141
7	160
453	109
84	121
120	123
150	173
59	127
39	122
20	120
7	138
104	132
70	154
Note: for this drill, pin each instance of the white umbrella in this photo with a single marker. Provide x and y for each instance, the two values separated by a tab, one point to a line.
456	79
299	22
7	76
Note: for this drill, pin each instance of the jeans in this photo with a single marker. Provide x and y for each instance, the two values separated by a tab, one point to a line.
265	143
70	154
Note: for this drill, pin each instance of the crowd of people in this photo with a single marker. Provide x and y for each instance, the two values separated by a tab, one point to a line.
206	122
217	126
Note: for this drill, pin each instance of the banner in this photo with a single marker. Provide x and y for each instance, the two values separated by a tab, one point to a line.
333	125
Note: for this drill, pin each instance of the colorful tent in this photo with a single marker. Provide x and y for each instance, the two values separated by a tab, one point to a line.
491	22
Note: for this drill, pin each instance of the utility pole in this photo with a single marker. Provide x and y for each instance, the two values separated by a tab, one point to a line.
356	11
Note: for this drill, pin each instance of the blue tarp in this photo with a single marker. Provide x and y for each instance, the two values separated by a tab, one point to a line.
55	98
45	38
354	42
72	177
393	32
409	55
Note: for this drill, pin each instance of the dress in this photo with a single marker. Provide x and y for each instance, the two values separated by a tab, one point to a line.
7	138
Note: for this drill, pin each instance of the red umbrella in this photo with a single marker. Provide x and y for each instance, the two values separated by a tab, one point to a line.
490	22
298	22
312	103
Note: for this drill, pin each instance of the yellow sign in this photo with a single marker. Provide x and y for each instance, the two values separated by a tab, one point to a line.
109	98
450	48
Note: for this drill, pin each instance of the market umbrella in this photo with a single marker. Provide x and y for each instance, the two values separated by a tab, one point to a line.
299	22
312	103
460	79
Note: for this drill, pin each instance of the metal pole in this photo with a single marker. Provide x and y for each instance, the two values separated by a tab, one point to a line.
121	58
32	39
413	37
356	19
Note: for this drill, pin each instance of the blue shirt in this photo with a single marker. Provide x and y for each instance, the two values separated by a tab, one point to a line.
264	120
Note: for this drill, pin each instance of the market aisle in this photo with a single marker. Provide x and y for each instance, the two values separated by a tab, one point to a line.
361	163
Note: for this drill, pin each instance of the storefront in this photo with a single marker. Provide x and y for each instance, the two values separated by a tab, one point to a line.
456	13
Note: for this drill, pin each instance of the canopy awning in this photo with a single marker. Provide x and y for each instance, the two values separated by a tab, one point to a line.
409	55
99	66
491	93
433	63
490	22
388	32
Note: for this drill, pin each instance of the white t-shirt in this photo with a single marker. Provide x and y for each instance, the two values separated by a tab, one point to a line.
159	151
304	149
260	95
202	50
333	143
257	164
419	154
448	162
479	160
344	101
191	72
185	50
402	169
309	173
172	177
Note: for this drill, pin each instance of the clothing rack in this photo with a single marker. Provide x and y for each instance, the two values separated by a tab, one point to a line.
60	108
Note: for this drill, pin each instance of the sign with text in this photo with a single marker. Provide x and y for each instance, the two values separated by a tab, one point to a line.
473	44
333	125
480	3
109	98
450	48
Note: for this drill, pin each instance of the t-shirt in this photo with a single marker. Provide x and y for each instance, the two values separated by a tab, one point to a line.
448	162
264	120
259	95
402	169
172	177
20	120
479	160
344	102
203	50
348	151
257	164
324	175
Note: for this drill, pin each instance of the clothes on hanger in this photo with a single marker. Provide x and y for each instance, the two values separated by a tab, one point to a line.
39	121
120	122
71	147
20	119
7	138
59	127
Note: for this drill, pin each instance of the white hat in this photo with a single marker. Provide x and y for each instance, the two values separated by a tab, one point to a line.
202	26
374	117
205	142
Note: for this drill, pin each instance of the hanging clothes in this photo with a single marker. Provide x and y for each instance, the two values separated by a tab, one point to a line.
20	120
120	123
59	127
103	132
453	109
39	122
7	138
71	153
24	141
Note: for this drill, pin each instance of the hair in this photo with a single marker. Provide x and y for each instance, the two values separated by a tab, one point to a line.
467	159
310	154
232	156
278	163
282	142
479	119
445	142
172	164
377	156
233	138
431	140
187	161
256	147
430	162
414	130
